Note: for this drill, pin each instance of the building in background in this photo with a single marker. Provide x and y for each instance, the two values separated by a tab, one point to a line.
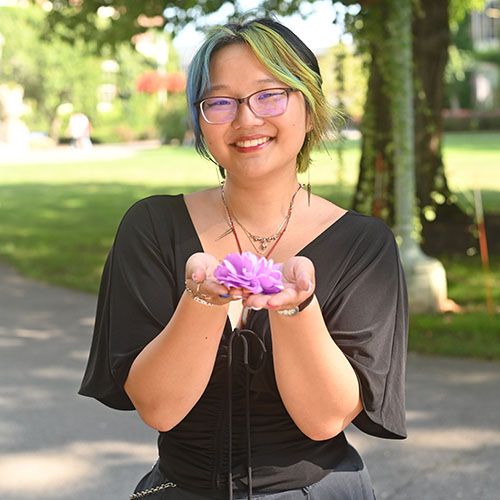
485	34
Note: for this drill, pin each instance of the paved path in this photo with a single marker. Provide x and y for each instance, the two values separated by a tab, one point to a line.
56	445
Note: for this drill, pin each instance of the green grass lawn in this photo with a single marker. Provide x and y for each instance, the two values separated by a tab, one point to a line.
473	162
472	332
57	221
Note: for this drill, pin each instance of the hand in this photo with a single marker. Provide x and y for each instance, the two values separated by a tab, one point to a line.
199	277
298	277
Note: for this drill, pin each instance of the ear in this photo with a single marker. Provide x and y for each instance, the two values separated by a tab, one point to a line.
309	126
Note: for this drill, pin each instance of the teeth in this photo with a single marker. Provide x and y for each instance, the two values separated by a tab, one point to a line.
253	142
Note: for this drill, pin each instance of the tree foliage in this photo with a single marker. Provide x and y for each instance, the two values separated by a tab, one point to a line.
461	62
372	33
42	68
107	23
375	188
54	72
458	9
344	79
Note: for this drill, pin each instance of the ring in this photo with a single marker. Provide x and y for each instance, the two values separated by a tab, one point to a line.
200	293
198	298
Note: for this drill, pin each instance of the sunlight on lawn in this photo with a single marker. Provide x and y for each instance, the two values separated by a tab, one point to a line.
58	220
471	160
480	170
170	165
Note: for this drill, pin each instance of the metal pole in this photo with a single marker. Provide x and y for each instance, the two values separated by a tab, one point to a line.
426	277
483	246
403	119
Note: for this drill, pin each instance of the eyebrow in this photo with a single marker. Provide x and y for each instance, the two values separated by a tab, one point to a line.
263	80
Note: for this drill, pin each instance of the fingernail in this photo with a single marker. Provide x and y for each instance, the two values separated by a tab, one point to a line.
224	296
310	286
194	278
237	297
256	308
271	306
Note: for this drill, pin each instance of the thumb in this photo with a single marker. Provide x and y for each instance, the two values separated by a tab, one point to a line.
304	281
303	272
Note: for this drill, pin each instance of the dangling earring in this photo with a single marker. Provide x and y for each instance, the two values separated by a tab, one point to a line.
309	187
219	169
308	140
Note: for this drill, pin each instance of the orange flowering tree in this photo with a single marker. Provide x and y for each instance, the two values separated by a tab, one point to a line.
152	82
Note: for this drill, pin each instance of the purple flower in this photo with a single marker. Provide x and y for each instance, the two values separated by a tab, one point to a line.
246	270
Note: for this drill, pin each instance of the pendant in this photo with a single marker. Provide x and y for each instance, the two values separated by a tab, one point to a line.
224	234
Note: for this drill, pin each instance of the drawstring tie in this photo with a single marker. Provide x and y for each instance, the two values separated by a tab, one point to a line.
243	335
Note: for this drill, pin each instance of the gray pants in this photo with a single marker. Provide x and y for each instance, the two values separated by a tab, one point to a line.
349	481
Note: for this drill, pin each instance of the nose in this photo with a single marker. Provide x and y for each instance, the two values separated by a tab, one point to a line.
246	117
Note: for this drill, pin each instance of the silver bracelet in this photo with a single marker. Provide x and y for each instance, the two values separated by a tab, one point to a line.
198	298
295	310
145	493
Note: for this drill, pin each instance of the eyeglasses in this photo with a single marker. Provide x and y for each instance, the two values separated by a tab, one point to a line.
267	102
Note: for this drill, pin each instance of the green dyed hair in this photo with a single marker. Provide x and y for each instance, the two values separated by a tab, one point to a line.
285	56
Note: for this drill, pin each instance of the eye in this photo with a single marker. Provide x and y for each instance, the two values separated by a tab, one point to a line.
218	102
269	94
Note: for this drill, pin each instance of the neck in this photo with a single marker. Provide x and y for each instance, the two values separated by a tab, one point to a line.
260	206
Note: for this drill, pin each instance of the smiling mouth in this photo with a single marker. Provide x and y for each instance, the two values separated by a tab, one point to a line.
252	143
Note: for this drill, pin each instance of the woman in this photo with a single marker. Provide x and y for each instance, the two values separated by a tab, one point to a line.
251	391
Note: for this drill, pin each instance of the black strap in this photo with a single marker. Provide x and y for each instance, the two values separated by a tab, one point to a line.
243	335
306	302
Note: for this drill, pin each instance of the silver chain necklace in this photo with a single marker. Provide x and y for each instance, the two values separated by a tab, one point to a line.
263	241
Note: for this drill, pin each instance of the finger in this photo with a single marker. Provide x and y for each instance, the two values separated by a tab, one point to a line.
300	273
286	297
304	274
214	288
199	274
236	293
256	301
209	290
195	267
304	283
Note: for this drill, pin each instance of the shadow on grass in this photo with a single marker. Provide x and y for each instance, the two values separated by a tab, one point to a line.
468	335
61	233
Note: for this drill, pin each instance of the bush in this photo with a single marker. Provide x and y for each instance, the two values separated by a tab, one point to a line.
172	121
128	120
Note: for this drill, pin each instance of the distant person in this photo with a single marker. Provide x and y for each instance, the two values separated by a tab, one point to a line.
79	129
249	380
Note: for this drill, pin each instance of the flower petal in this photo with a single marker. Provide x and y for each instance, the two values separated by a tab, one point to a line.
249	271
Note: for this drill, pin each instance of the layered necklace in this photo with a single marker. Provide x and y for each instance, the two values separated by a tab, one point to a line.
263	245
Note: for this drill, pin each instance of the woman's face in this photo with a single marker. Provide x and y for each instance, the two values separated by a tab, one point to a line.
250	145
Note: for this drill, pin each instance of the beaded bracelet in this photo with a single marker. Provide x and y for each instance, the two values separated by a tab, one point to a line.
198	298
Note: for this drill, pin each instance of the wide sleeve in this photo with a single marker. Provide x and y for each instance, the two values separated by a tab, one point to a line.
137	297
367	315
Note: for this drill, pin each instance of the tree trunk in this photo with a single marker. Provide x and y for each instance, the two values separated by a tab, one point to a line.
444	225
374	190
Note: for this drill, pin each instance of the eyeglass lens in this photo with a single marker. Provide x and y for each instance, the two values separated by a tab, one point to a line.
271	102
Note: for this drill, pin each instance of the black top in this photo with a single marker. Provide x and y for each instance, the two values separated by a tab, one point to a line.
361	290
